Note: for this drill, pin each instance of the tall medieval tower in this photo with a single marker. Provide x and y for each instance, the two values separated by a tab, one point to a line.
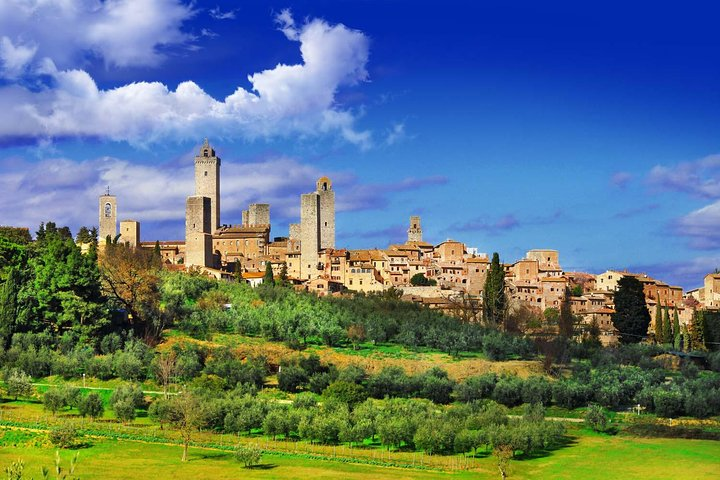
108	217
317	226
415	230
326	201
198	240
207	181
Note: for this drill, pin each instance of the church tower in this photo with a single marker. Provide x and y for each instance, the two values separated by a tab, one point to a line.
107	217
207	181
415	230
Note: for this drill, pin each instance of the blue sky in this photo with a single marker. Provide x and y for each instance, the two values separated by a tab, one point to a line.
592	129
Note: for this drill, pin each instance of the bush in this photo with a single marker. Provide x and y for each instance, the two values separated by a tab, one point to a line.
596	418
668	403
63	436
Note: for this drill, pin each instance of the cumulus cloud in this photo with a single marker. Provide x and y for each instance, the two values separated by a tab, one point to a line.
69	32
287	99
66	191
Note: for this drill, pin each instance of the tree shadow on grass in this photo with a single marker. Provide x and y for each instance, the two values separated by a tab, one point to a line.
565	442
262	466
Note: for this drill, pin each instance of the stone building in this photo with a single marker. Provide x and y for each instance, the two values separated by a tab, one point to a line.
711	291
107	217
243	243
207	181
198	239
317	227
415	230
130	233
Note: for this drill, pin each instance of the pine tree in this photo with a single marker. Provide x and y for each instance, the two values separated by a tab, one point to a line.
494	300
658	324
631	317
667	327
268	279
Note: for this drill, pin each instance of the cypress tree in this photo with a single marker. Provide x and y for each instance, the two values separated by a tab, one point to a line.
494	293
676	327
658	324
667	327
566	321
156	251
238	271
9	306
631	317
697	330
268	278
283	275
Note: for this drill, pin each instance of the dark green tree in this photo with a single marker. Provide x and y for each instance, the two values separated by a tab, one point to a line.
494	299
238	271
697	330
566	321
667	334
269	279
420	280
156	251
659	324
631	317
284	275
9	307
677	334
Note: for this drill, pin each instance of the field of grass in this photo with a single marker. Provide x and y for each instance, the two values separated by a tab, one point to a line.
372	358
590	456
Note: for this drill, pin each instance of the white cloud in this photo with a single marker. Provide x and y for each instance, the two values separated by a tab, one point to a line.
702	226
14	59
120	32
700	178
218	14
287	99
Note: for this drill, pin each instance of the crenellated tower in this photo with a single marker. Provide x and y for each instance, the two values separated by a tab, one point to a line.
207	181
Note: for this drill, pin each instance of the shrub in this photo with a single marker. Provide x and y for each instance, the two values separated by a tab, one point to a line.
346	392
537	390
63	436
291	378
596	418
570	394
668	403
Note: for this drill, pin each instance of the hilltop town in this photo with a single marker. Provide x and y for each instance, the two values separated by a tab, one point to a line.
447	276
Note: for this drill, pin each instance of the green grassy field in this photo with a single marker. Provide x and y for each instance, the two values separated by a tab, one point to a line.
591	456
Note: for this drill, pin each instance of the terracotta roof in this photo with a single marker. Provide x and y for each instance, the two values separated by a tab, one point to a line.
553	279
477	260
250	275
238	229
167	243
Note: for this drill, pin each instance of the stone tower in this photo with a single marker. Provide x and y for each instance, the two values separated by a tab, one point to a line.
108	217
309	234
415	230
130	232
207	181
258	214
326	197
317	226
198	239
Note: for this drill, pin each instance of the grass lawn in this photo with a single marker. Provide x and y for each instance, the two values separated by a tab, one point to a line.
588	456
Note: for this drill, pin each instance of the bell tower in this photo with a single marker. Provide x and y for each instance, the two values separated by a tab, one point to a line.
107	217
207	181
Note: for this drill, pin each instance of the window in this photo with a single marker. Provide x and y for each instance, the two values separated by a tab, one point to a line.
206	173
108	210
